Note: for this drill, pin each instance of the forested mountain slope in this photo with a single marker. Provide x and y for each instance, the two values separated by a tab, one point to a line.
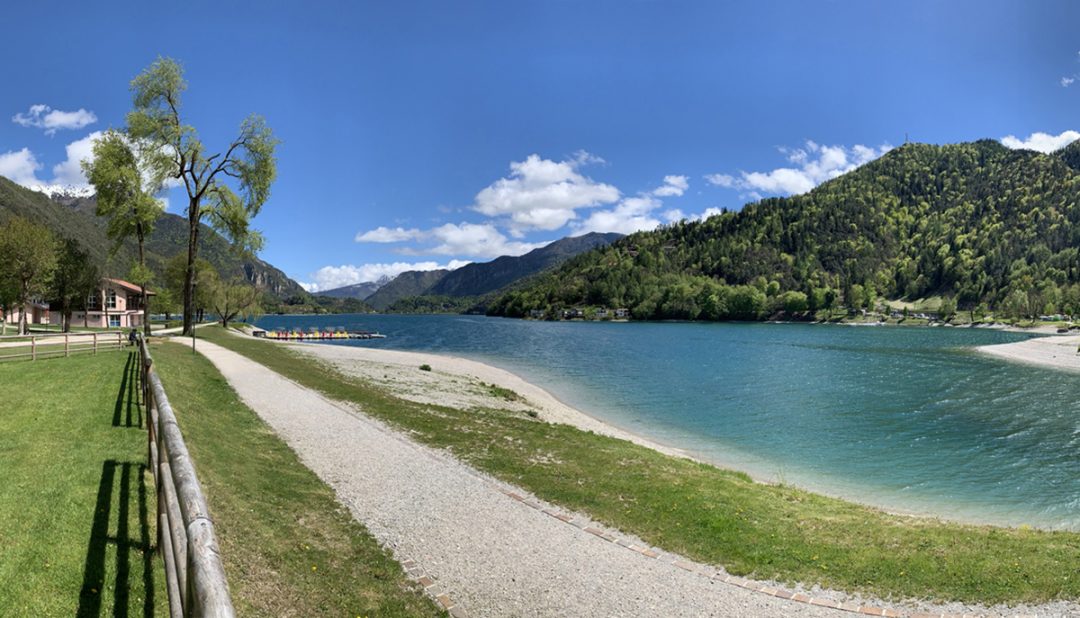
75	219
974	221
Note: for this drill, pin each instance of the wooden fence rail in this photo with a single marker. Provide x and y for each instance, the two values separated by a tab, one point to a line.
35	347
194	576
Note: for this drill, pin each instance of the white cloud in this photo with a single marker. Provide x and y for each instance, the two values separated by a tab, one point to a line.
331	277
474	240
44	117
1067	81
541	194
721	180
480	240
814	164
20	166
632	214
673	186
69	172
1041	142
385	234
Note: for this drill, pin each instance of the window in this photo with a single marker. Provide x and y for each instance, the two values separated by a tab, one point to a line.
93	303
110	299
114	321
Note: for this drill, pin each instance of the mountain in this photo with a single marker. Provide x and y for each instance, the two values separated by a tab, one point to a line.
479	279
975	222
486	277
407	284
72	216
357	290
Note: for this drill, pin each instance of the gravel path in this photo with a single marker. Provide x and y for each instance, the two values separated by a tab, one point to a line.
479	546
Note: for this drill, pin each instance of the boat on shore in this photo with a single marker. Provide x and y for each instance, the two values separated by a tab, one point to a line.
317	335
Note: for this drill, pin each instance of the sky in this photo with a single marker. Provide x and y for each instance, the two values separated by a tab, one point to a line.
418	135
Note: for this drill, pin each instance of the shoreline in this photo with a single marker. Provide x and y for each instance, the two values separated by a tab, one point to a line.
452	369
455	381
1058	352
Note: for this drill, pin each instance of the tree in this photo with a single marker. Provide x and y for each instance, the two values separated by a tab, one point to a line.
28	256
231	299
248	162
795	302
75	278
948	308
166	302
124	197
7	293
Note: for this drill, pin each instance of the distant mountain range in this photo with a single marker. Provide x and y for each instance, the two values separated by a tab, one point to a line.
359	291
474	280
71	215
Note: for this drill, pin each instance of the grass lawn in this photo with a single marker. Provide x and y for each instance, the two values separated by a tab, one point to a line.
713	515
288	547
77	527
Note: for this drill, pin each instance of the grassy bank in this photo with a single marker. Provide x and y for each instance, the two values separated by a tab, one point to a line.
289	548
718	516
77	525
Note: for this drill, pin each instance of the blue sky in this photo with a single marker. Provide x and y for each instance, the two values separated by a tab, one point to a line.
422	134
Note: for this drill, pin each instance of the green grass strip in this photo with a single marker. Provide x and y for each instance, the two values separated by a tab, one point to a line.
289	547
718	516
77	525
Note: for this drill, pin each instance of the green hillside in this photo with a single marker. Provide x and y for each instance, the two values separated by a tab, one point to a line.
74	218
977	222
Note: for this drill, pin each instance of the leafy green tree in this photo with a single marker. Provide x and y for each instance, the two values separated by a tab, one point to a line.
8	294
247	163
75	273
795	302
948	308
166	302
229	300
28	256
125	198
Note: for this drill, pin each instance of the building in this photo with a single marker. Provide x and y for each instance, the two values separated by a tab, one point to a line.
118	304
37	312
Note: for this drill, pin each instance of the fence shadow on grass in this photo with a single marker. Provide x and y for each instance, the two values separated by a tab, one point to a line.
111	537
128	412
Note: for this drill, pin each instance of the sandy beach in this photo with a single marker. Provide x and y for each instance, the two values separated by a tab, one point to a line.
462	383
1058	352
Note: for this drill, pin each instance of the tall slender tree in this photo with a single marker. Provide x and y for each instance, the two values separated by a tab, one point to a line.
247	164
121	173
75	279
28	253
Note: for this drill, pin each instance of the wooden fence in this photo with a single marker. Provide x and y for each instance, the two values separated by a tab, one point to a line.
34	347
194	576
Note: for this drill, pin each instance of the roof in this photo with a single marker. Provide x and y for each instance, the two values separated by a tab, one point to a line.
127	285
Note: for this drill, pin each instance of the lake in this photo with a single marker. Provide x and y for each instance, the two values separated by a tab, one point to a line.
909	419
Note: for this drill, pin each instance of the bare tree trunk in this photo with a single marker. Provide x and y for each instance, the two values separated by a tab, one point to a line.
23	301
142	284
189	275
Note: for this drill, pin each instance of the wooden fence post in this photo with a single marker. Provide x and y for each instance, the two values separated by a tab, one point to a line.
33	347
67	352
95	343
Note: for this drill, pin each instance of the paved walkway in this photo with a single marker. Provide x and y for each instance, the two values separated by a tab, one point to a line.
484	548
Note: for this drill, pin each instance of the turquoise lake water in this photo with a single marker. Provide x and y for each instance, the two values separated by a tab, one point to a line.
909	419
